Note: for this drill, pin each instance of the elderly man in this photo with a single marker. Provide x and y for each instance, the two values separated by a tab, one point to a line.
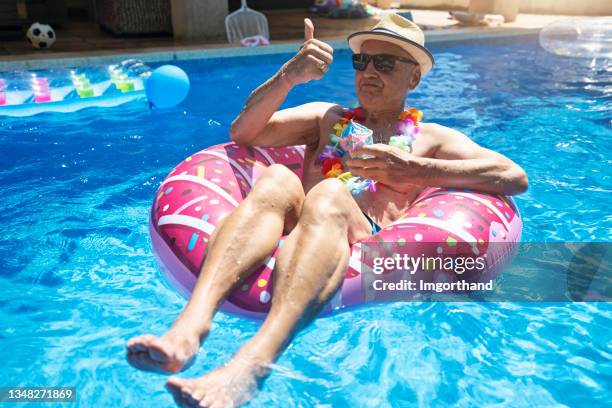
319	214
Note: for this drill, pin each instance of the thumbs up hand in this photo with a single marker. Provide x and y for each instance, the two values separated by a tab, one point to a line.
311	61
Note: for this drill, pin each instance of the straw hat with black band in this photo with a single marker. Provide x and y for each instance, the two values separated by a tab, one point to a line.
399	31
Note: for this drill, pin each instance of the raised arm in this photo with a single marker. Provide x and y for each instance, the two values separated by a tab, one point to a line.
260	122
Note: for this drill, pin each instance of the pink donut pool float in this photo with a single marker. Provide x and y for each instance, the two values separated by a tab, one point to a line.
209	184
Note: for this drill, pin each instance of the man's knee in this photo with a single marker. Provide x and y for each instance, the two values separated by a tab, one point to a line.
330	188
278	185
329	200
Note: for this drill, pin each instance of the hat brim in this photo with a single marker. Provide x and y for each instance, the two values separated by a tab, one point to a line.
417	51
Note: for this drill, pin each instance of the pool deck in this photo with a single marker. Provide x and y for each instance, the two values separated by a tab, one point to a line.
83	43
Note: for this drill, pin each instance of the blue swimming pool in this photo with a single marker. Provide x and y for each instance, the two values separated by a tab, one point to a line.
79	278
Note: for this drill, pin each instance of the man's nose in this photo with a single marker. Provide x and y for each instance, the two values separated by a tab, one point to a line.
370	71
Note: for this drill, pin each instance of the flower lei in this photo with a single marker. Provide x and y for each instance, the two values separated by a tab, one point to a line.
330	158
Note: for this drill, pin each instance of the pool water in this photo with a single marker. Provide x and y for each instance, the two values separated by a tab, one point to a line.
79	278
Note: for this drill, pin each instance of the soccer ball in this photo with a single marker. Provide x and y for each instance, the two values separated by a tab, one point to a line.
41	35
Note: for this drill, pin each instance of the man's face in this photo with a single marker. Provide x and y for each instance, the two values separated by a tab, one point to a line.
381	89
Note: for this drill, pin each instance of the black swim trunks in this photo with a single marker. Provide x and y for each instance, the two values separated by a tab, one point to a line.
375	226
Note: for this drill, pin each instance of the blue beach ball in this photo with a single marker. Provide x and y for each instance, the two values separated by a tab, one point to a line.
167	86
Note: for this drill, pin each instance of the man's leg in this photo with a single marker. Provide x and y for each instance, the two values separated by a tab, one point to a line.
310	267
237	247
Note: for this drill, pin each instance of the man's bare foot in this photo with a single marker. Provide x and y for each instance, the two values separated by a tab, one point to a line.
229	386
170	353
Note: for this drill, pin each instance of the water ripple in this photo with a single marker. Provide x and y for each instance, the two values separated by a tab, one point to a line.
79	278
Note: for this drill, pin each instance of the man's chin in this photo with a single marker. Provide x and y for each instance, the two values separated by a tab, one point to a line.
370	98
373	90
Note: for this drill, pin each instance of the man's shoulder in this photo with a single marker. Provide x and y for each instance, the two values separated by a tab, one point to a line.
431	132
433	136
431	127
437	131
326	109
327	112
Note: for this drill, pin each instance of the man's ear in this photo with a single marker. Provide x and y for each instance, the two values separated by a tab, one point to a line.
415	77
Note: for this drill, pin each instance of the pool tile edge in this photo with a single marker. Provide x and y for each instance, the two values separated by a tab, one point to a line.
219	50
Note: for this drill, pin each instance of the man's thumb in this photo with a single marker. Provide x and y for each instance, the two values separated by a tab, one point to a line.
308	29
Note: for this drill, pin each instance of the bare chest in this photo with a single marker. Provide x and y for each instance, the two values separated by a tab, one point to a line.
385	203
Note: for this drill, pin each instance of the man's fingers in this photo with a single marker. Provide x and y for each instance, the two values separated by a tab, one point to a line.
323	45
308	29
374	150
369	163
318	44
322	55
318	63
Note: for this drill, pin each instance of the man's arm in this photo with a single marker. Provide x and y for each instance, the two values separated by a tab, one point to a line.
260	122
458	162
287	127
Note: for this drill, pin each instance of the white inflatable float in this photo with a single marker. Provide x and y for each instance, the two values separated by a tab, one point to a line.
579	37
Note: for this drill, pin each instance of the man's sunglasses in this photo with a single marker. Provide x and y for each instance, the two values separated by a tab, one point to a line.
382	62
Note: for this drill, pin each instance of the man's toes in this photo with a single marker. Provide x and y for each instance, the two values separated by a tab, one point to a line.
140	343
197	396
158	351
181	397
135	359
206	401
189	387
142	339
143	361
173	385
139	360
176	383
181	402
188	396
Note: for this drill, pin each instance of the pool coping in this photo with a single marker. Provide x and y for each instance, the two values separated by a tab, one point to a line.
181	53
